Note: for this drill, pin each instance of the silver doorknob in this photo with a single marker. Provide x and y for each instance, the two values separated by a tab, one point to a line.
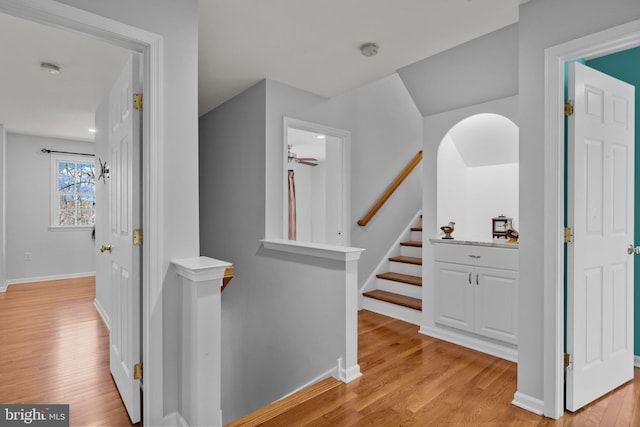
633	250
105	248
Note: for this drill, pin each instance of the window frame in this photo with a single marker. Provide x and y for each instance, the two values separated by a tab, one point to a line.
55	194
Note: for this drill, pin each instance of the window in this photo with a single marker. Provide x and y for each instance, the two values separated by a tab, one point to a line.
74	191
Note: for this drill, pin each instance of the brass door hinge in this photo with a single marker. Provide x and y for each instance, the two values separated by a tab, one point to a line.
137	371
568	108
567	360
568	235
137	101
137	237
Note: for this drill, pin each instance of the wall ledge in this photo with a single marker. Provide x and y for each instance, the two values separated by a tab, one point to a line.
319	250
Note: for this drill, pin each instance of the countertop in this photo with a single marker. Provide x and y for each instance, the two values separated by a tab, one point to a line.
492	244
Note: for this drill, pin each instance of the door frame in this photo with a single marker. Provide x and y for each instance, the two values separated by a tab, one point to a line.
150	45
612	40
345	140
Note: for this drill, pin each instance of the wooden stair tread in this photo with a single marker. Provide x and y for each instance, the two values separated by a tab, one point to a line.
405	301
406	260
281	406
404	278
416	228
415	243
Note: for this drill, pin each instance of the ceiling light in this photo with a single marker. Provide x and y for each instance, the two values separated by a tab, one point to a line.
50	68
92	130
369	49
320	136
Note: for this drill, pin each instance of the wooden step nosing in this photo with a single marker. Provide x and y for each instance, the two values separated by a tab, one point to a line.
397	299
402	278
406	260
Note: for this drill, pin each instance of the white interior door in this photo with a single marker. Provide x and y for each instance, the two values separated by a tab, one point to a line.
122	151
600	212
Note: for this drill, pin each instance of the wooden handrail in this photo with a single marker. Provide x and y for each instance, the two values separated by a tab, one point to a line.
399	180
228	275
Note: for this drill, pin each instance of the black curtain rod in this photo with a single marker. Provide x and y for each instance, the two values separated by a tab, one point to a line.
47	151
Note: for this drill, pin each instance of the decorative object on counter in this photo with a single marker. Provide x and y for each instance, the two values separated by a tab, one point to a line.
512	234
500	225
448	229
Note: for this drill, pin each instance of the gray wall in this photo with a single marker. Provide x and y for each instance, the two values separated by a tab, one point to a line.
544	23
386	132
3	162
480	70
282	315
28	197
177	23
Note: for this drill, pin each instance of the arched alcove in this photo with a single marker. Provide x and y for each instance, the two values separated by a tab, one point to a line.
477	175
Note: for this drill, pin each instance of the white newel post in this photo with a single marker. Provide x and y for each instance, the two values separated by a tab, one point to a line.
350	369
199	352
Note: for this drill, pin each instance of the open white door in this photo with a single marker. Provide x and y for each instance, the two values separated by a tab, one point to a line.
122	149
600	213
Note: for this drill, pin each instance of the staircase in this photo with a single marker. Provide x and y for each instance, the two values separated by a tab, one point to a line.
397	290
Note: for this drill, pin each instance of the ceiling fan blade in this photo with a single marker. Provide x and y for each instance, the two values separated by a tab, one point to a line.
307	159
306	163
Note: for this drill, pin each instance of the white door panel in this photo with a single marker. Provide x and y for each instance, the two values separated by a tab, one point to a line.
600	212
124	216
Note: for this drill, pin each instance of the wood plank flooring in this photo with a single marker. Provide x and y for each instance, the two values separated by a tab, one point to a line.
54	349
413	380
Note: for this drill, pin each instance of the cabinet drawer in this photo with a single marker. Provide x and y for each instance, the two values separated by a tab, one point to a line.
479	256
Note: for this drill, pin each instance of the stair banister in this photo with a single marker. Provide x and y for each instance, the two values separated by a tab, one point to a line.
394	185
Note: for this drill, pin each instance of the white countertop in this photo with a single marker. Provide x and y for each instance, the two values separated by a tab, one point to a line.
492	244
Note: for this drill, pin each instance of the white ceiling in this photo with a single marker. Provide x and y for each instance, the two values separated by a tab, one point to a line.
311	45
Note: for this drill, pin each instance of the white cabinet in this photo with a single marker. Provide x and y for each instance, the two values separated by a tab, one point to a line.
476	290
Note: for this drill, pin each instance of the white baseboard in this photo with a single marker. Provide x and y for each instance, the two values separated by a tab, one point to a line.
102	312
333	372
346	375
26	280
636	361
174	419
476	343
3	287
528	403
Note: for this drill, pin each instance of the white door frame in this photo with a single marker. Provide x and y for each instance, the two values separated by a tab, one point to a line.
345	138
602	43
60	15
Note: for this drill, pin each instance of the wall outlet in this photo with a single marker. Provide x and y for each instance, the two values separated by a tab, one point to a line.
27	256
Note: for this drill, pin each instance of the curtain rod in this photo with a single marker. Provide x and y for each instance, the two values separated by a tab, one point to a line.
47	151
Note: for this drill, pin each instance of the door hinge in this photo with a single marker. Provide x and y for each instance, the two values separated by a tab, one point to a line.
568	362
137	371
137	101
568	108
568	235
137	237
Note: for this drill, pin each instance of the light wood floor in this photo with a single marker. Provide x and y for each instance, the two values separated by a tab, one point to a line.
54	349
413	380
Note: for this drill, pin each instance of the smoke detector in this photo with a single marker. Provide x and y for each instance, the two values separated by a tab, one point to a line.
50	68
369	49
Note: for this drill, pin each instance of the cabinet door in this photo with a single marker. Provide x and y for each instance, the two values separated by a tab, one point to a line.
496	303
454	295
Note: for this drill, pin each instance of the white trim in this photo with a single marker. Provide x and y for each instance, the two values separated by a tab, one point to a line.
346	375
3	287
345	136
528	403
602	43
636	361
319	250
70	228
333	372
174	419
26	280
50	12
503	351
103	313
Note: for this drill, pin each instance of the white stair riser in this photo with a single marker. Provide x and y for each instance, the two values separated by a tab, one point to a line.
412	251
399	288
404	268
392	310
416	235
